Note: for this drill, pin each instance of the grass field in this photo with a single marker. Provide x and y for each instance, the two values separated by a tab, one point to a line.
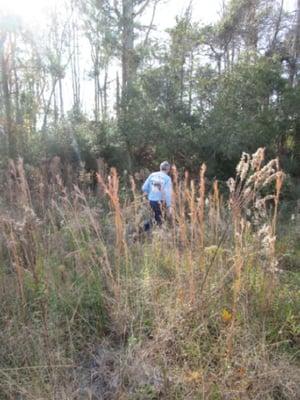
206	307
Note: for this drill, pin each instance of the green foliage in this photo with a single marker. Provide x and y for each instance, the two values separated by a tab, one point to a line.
205	94
249	109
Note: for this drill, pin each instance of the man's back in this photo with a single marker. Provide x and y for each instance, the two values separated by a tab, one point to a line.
158	187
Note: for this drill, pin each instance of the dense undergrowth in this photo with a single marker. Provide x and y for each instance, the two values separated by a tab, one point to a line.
207	307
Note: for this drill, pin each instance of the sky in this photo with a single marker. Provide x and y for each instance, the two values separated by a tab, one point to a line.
203	10
32	10
206	11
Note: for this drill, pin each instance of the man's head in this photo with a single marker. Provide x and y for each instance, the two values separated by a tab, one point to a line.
165	167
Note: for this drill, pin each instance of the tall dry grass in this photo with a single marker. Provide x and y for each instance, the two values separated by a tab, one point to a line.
93	307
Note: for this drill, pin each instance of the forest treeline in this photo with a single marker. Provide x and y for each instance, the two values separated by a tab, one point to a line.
194	93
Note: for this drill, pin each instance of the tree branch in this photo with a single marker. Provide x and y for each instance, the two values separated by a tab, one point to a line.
151	22
141	10
277	27
116	9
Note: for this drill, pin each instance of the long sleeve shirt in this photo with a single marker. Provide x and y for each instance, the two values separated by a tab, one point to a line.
158	187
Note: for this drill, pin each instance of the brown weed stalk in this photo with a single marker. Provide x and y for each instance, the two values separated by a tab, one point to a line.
201	206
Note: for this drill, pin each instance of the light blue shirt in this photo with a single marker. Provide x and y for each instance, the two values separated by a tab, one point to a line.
158	187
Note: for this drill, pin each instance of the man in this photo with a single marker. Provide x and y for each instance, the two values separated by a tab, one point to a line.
158	188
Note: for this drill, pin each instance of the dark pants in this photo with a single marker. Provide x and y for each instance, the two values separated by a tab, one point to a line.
157	209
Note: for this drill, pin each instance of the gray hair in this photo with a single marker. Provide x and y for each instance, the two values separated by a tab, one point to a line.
165	166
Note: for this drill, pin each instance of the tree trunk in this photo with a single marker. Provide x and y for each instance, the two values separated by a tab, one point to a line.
105	92
75	65
118	96
297	42
297	82
251	39
191	81
96	97
55	108
61	98
48	106
182	81
8	122
128	56
100	94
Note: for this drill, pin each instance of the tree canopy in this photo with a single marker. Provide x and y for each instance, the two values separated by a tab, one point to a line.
197	93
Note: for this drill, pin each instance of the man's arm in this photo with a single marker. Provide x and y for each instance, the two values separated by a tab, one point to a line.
146	185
